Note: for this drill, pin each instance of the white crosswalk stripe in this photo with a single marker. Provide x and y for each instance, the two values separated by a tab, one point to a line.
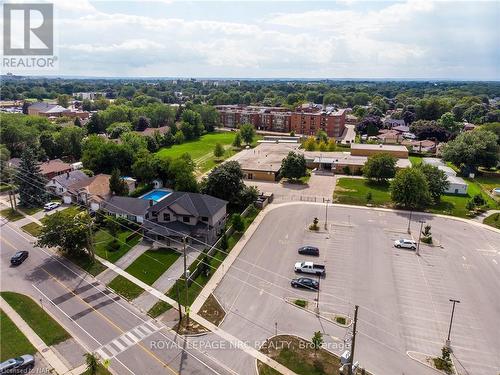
128	339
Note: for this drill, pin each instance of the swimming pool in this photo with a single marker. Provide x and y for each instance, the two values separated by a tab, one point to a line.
156	195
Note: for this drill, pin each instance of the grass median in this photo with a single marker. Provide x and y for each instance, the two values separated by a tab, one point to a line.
42	323
11	215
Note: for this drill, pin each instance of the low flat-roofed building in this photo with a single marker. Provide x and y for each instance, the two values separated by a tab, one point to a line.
457	185
366	149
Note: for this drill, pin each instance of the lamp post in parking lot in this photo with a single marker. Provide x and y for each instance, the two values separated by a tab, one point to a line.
422	222
326	213
448	342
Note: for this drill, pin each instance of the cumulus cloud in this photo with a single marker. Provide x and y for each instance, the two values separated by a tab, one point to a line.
405	39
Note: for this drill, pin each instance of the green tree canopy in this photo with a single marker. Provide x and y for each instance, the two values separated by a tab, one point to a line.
247	132
30	181
380	167
409	188
116	183
436	180
293	166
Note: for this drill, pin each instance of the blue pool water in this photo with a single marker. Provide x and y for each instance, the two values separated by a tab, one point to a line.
156	195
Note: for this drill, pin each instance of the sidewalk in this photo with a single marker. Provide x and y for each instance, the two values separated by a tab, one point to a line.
46	352
128	258
484	215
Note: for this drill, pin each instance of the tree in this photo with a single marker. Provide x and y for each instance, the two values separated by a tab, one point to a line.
380	167
92	364
332	145
321	136
182	171
116	184
448	122
237	223
96	125
223	243
225	182
237	140
408	117
410	189
475	113
78	122
218	150
63	100
5	172
179	137
369	125
30	181
436	180
310	144
293	166
430	130
72	235
142	123
143	167
473	149
317	341
247	132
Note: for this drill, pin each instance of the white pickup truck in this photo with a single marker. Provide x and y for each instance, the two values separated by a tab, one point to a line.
310	267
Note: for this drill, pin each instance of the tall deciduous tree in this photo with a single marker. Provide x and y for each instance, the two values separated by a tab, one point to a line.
410	189
380	167
218	150
116	184
293	166
225	182
436	180
237	140
473	149
30	180
317	341
247	132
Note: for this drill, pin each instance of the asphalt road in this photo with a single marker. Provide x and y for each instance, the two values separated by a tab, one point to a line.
403	298
98	319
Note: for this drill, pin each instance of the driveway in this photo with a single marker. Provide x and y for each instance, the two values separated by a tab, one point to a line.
403	298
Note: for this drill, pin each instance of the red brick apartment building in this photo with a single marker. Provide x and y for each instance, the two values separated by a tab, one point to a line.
305	121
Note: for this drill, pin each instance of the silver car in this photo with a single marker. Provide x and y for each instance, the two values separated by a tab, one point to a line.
18	364
406	244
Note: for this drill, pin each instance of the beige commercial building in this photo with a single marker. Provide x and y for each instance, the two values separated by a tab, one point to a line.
364	149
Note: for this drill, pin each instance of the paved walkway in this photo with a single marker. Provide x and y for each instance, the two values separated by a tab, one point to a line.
484	215
46	352
128	258
146	300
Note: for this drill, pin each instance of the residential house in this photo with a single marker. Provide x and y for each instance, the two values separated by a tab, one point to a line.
91	192
133	209
186	214
149	132
59	184
425	145
49	169
392	123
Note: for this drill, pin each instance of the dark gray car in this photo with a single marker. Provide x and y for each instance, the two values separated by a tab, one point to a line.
309	250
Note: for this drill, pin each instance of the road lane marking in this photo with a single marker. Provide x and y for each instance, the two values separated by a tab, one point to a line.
113	324
181	348
495	261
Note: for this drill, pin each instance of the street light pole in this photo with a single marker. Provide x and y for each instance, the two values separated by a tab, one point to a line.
317	298
186	280
454	301
420	235
326	213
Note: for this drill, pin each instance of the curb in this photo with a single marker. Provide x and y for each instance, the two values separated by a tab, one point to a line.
409	354
321	316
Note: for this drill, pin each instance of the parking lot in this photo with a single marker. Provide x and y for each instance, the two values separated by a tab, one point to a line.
403	298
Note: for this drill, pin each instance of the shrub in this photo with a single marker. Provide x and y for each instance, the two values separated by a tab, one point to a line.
346	170
341	320
301	303
114	245
314	225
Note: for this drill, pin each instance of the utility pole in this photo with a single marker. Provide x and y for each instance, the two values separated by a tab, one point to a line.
326	213
186	280
351	354
420	235
179	301
448	342
409	221
317	297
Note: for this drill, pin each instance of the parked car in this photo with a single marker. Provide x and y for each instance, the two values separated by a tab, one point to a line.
305	282
310	267
51	205
19	257
406	244
14	365
309	250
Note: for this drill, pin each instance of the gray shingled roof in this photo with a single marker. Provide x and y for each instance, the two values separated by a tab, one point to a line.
126	205
67	179
193	204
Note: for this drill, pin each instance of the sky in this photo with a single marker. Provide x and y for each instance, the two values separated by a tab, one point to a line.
278	39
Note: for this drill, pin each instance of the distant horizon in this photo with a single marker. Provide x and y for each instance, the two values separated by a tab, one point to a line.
214	78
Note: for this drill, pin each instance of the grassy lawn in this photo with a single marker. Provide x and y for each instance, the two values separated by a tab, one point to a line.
299	356
13	342
355	190
152	264
4	187
11	215
32	228
103	240
47	328
30	210
201	280
125	288
101	370
493	220
488	183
